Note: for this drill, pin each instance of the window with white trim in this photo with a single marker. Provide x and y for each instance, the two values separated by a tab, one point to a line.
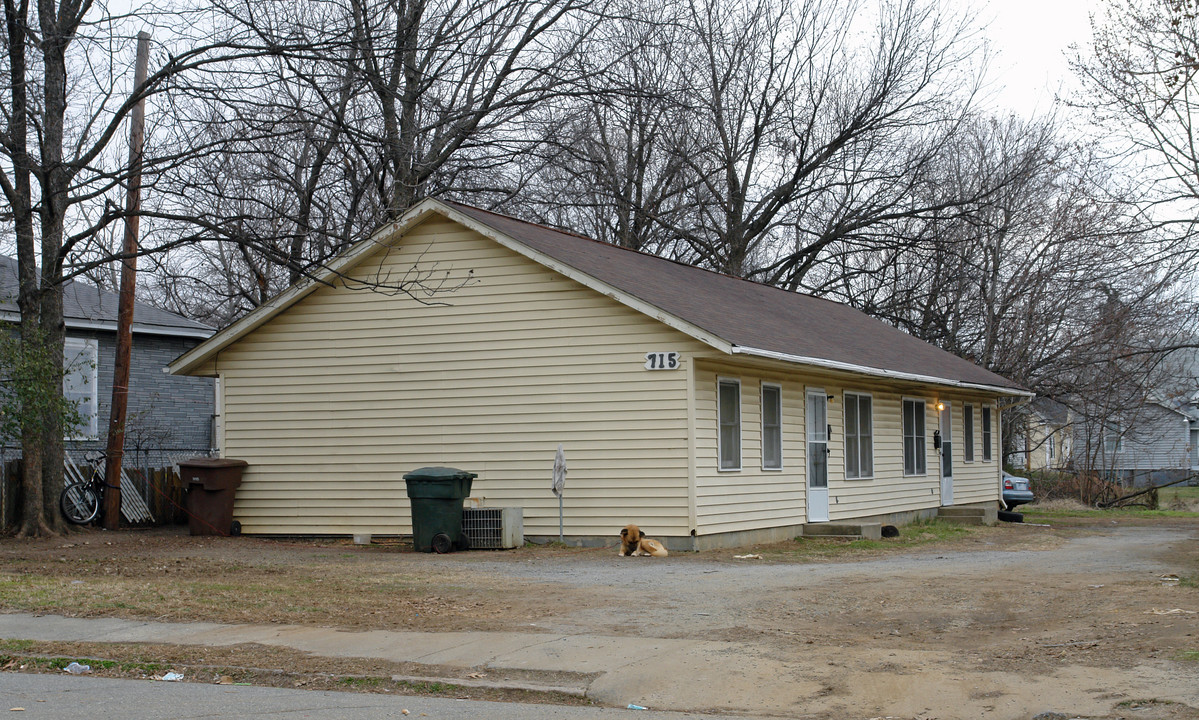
986	434
79	385
859	436
968	433
728	412
772	427
914	461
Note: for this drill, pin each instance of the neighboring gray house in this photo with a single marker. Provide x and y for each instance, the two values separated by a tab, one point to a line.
1156	442
1160	444
168	415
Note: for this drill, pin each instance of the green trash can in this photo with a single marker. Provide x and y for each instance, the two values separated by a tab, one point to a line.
436	494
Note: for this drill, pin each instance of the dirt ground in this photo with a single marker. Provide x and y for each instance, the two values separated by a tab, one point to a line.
1094	599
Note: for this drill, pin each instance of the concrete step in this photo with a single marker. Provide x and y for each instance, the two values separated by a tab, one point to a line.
964	519
969	515
857	531
961	512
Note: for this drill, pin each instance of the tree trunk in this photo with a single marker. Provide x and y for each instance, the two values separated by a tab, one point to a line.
19	195
53	335
55	181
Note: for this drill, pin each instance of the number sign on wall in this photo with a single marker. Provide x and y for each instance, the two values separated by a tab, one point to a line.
662	361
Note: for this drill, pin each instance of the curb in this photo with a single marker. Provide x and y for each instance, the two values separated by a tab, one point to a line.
574	690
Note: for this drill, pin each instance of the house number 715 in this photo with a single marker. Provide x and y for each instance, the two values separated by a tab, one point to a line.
661	361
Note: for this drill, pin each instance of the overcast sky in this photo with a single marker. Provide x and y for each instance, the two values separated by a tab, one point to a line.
1032	37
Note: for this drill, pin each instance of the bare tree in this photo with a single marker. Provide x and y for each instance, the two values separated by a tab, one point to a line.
362	109
1141	80
748	136
810	125
612	162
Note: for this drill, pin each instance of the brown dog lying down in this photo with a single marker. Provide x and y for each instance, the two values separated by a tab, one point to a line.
633	542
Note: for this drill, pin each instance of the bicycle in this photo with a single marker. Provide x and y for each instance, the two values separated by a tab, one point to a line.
81	500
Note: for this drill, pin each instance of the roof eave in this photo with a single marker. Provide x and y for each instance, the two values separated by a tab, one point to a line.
878	372
139	328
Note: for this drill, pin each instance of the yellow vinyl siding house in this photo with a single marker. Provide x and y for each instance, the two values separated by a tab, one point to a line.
459	337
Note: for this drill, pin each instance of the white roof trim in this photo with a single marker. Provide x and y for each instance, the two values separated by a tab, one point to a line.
876	372
76	324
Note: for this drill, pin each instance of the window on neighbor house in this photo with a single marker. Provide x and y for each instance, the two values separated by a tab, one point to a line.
968	433
1049	448
859	436
728	411
772	427
1112	443
986	434
79	385
913	438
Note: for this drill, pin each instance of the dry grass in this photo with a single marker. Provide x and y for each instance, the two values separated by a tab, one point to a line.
1064	505
245	580
164	574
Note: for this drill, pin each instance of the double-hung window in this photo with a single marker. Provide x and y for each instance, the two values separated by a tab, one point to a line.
728	410
1112	442
986	434
79	386
859	436
914	462
968	433
772	427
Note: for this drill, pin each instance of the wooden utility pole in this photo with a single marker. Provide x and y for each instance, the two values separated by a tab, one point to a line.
120	376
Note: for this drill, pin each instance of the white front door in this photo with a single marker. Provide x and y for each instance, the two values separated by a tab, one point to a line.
947	455
817	456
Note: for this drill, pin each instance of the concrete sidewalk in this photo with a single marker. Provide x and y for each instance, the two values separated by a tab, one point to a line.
663	674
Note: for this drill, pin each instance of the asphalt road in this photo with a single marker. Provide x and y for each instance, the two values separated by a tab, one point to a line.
66	696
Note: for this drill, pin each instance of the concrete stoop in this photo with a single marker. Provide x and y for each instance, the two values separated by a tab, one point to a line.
969	515
857	531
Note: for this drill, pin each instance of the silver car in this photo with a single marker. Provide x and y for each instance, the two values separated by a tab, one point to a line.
1016	491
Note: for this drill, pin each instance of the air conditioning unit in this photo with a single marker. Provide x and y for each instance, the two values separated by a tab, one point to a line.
494	528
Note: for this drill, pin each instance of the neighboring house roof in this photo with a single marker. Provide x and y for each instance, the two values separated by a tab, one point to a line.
1051	411
1179	406
86	307
733	315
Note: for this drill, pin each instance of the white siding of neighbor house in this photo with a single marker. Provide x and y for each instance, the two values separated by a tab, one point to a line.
1037	440
332	401
730	501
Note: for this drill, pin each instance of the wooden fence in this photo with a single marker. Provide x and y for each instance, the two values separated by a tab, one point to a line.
161	488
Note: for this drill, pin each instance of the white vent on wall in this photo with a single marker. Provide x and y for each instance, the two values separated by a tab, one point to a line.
494	528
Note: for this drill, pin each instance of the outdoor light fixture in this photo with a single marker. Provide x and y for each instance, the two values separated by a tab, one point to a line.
940	406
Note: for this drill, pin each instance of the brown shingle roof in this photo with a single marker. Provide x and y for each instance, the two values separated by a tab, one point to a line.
743	313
